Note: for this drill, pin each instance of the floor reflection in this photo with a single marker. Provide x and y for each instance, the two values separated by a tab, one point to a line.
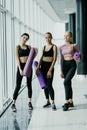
15	122
29	116
16	125
21	119
23	122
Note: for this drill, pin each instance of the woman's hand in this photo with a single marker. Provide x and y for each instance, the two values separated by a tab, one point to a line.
49	74
36	51
21	72
37	71
62	75
78	60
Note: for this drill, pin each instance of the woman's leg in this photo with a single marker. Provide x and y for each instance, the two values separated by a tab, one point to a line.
44	69
46	92
18	84
51	90
68	75
68	83
29	86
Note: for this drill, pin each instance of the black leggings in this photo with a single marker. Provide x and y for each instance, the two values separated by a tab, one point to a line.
18	83
49	90
69	69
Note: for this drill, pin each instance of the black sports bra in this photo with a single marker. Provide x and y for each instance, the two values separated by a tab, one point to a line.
48	53
23	52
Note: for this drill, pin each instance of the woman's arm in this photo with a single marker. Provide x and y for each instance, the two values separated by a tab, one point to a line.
39	64
61	64
17	57
54	57
40	61
76	49
36	51
61	60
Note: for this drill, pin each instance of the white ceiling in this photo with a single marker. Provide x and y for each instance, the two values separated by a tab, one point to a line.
58	10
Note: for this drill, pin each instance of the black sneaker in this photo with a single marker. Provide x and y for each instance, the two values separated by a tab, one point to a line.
47	104
65	107
30	106
53	106
13	108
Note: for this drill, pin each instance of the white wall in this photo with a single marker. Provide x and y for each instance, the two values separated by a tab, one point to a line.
19	16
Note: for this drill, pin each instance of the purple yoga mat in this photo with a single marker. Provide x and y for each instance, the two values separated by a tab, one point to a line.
40	77
28	65
76	55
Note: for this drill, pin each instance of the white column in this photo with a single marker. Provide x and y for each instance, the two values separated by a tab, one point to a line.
1	84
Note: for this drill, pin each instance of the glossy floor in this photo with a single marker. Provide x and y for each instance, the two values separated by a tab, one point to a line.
73	119
20	120
46	119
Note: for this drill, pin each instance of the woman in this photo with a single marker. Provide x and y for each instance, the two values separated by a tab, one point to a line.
22	52
68	67
46	64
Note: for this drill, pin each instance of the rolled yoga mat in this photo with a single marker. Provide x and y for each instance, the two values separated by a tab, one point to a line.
77	55
40	77
28	66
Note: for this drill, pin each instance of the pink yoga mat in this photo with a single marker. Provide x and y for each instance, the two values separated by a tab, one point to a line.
28	65
40	77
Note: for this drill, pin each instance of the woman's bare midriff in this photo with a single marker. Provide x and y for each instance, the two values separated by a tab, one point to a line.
48	59
23	59
68	58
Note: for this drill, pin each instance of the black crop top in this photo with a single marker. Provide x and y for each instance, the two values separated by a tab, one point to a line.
48	53
23	52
